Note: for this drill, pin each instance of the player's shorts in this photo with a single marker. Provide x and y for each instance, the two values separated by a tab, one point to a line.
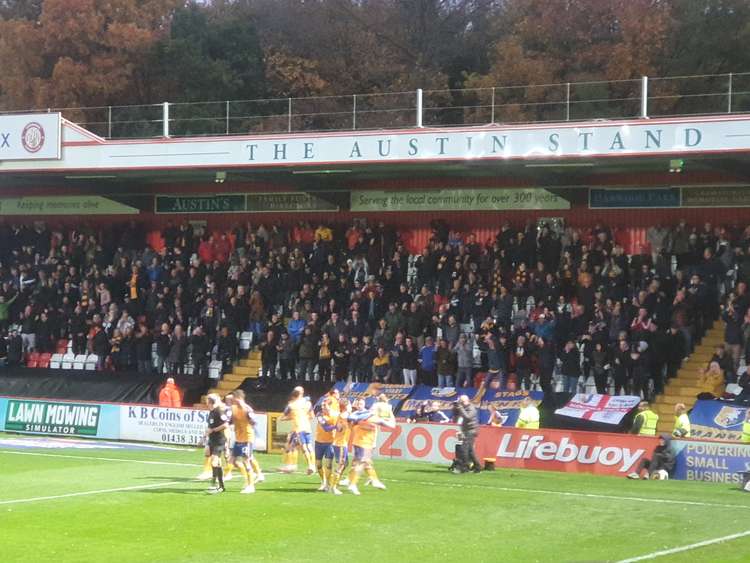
323	450
305	438
217	447
362	454
340	454
242	449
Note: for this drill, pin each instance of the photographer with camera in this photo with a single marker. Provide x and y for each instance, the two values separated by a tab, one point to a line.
466	415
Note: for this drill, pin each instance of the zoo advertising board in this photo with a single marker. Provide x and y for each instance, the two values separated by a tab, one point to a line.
547	450
149	423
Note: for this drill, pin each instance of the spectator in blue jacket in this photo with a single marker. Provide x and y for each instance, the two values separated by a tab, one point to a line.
296	327
427	361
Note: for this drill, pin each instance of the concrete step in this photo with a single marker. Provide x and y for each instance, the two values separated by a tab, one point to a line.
249	363
244	371
672	400
234	377
681	390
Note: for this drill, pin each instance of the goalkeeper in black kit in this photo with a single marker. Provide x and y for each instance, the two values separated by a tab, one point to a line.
218	421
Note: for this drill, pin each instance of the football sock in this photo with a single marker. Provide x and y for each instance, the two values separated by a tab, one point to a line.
321	472
229	468
256	466
220	476
309	458
206	464
354	476
248	476
371	474
325	474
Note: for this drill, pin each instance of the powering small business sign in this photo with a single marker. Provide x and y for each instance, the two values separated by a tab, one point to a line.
38	417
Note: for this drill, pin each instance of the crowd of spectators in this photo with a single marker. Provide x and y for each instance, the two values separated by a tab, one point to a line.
533	306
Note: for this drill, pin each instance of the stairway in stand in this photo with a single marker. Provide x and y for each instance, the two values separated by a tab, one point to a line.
247	367
684	387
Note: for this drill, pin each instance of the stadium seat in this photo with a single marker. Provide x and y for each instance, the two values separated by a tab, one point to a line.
44	360
79	361
33	360
214	369
91	361
246	340
56	361
67	362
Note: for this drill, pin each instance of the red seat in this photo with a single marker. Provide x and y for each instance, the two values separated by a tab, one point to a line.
33	360
44	360
61	347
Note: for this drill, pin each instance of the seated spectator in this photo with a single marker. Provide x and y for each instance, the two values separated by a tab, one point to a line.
711	381
663	459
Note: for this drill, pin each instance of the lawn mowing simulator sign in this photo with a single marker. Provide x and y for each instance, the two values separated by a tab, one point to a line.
67	419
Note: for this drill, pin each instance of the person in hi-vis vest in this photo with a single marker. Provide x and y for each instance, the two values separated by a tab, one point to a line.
529	415
645	421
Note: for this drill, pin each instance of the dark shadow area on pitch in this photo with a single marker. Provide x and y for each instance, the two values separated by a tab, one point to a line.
162	478
433	470
291	490
171	490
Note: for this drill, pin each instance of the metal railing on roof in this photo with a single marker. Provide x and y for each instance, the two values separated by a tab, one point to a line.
706	94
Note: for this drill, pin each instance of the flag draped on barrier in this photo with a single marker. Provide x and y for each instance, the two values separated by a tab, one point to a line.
608	409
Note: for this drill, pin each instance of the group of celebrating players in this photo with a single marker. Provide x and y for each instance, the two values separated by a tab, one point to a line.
340	427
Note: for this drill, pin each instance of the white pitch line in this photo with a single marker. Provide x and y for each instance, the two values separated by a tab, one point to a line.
573	494
674	550
85	493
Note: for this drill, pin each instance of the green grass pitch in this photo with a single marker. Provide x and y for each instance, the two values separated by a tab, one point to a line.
133	505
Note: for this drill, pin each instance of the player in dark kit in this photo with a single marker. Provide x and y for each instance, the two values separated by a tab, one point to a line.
218	422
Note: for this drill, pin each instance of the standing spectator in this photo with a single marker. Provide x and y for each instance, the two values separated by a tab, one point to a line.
296	327
226	348
177	351
286	349
410	362
143	342
269	356
381	366
200	352
163	344
427	361
15	349
4	311
28	330
599	365
464	350
308	354
570	367
324	358
341	358
445	360
546	364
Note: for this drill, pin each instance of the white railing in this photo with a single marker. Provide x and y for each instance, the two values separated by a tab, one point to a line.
644	97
